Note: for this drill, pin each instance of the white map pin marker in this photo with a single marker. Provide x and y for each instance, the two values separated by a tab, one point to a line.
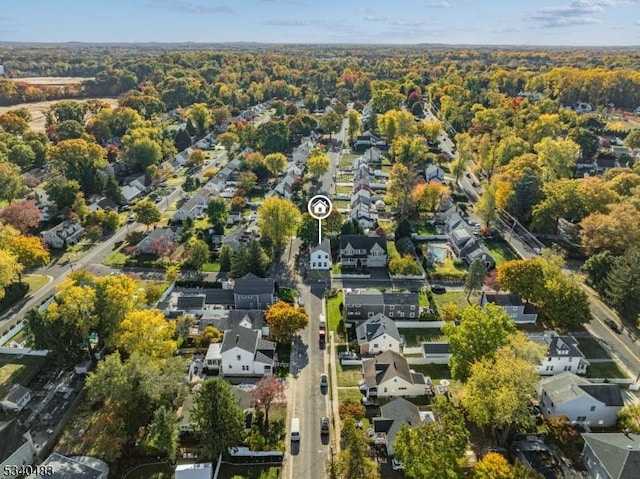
319	207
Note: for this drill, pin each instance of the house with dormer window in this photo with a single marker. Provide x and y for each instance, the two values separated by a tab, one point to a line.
563	354
362	251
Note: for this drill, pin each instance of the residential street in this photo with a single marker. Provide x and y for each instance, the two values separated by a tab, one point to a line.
328	178
59	271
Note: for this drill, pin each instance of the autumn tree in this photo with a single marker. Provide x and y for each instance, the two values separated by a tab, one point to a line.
200	116
522	277
11	184
278	219
10	270
331	122
353	409
632	140
486	207
247	180
147	213
29	251
228	139
217	417
318	163
395	123
613	231
475	278
353	126
353	461
402	182
429	196
196	158
80	160
22	215
285	320
115	297
493	466
268	391
629	418
557	158
434	449
481	333
275	163
410	150
146	332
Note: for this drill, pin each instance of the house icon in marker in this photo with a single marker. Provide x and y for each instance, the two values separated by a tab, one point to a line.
319	207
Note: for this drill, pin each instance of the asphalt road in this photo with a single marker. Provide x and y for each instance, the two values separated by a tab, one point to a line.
328	179
59	271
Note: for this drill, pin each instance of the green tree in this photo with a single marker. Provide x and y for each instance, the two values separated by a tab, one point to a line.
475	278
217	211
587	141
225	258
597	268
11	184
353	461
199	253
481	333
146	213
66	110
486	207
629	418
354	118
143	152
632	141
405	266
278	219
318	163
402	181
182	141
217	418
196	158
200	116
228	139
80	207
557	158
331	122
257	260
247	180
525	278
80	160
434	449
623	285
272	137
163	432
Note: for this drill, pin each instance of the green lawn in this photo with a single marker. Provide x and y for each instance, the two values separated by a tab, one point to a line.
348	375
423	301
353	394
500	250
392	252
415	336
35	282
347	160
592	349
608	369
15	369
231	471
210	267
457	297
343	190
434	371
116	258
340	204
152	471
333	312
450	270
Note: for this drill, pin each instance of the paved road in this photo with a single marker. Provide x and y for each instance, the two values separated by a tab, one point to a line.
328	179
59	271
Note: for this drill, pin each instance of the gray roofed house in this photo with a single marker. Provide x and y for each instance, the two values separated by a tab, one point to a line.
393	415
251	292
362	304
16	448
434	173
519	311
159	234
362	251
378	334
244	353
389	375
74	467
581	401
16	399
611	455
562	354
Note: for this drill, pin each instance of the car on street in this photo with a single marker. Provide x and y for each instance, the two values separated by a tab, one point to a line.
613	325
396	465
131	218
368	402
324	381
438	289
468	175
324	425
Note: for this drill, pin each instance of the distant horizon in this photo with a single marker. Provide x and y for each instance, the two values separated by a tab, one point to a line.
517	23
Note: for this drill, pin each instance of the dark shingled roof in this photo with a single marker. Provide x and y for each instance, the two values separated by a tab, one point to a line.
375	327
219	296
608	394
251	284
240	337
618	453
436	348
504	299
362	242
187	303
384	367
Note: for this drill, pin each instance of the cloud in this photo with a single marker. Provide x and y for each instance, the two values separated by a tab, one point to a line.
576	12
442	4
395	22
291	23
184	6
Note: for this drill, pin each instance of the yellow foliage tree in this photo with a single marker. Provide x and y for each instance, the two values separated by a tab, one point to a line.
147	332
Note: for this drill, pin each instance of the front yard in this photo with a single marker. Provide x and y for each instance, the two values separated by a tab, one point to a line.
334	316
459	298
606	370
348	375
352	393
592	349
16	369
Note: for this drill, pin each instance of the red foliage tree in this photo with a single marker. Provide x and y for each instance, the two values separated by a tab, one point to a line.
267	391
22	215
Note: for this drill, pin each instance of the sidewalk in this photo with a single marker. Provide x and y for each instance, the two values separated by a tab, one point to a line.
335	404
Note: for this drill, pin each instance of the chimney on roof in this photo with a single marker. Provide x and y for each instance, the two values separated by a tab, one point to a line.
237	338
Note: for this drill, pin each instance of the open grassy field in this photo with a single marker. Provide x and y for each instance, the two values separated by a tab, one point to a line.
39	109
16	369
52	81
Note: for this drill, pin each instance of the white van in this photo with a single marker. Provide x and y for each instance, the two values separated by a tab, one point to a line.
295	429
323	321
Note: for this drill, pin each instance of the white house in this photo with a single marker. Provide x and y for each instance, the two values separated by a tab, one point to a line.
195	208
16	399
245	353
320	257
16	448
68	232
364	215
581	401
294	170
563	354
434	173
519	311
130	192
388	375
378	334
194	471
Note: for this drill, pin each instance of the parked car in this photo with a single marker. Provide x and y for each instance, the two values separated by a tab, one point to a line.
396	465
324	381
613	325
324	425
368	402
131	218
438	289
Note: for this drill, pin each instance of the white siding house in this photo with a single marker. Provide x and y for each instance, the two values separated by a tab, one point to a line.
16	399
16	448
245	353
66	233
320	257
563	354
377	335
388	375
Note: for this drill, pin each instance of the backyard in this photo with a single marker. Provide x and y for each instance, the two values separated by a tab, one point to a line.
459	298
415	336
499	250
449	270
17	369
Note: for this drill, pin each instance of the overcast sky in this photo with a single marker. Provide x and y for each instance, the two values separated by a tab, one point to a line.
506	22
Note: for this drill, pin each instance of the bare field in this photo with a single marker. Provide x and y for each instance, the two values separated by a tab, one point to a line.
52	81
39	110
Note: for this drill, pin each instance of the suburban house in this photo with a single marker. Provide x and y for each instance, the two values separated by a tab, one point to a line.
363	304
194	471
16	399
361	251
364	215
459	238
242	352
581	401
320	257
434	173
563	354
251	292
68	232
393	415
74	466
195	209
155	237
611	455
476	250
436	353
103	203
285	187
130	192
388	375
367	140
377	335
519	311
16	448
